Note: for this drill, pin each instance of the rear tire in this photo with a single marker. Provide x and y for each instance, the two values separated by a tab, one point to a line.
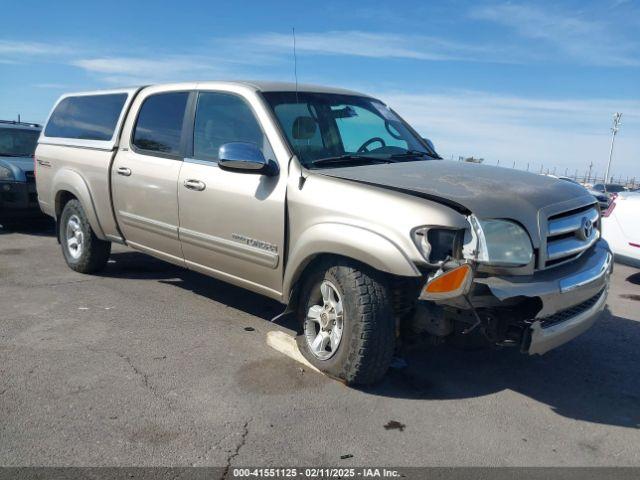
347	322
82	250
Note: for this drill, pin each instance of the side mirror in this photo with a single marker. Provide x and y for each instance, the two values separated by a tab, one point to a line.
245	157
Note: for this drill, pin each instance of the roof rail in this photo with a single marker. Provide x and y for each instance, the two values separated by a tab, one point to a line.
26	124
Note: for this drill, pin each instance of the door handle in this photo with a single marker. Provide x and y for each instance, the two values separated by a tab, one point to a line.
196	185
124	171
43	163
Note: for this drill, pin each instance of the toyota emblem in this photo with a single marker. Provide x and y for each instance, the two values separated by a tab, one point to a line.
586	228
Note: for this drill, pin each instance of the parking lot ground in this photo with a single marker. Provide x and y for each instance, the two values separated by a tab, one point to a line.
150	364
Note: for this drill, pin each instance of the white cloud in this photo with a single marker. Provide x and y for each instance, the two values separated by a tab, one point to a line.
19	48
587	41
135	70
52	86
572	38
554	133
373	45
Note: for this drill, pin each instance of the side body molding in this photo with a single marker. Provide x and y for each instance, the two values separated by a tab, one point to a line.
73	182
350	241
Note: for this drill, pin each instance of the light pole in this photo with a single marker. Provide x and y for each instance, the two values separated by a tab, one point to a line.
614	130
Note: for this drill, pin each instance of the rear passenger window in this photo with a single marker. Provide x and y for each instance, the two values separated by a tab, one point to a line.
224	118
159	124
87	117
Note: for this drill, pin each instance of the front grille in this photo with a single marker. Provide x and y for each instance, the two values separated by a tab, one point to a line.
31	178
568	234
571	312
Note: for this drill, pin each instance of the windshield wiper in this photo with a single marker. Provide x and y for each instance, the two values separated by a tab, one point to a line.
7	154
349	160
413	154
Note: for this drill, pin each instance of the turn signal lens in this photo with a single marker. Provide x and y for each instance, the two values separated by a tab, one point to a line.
450	284
610	208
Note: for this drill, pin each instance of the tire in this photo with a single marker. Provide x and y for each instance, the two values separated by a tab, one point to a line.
365	329
90	254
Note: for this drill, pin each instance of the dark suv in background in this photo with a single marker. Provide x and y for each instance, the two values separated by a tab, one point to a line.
610	187
18	198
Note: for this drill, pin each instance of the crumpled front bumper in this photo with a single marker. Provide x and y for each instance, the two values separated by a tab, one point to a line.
572	297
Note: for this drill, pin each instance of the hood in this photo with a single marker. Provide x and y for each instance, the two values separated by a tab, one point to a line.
18	166
488	192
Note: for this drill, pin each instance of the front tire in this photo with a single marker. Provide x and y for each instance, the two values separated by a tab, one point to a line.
347	323
82	250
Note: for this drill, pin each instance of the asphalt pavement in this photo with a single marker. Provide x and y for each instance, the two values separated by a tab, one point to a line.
149	364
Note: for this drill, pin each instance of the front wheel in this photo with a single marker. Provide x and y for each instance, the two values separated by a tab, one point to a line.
347	323
82	250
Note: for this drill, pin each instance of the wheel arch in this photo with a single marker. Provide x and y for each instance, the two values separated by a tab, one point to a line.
71	185
327	240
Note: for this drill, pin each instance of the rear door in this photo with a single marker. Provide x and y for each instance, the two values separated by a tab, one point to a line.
233	225
146	170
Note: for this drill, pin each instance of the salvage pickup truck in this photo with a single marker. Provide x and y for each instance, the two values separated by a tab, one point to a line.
328	201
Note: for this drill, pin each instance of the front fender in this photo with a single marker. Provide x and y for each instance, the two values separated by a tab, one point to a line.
358	243
71	181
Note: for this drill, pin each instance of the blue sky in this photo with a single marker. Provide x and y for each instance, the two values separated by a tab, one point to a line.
532	83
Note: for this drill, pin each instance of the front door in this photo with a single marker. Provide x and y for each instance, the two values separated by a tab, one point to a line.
231	224
145	176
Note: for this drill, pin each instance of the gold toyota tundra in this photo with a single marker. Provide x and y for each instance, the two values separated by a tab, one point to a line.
328	201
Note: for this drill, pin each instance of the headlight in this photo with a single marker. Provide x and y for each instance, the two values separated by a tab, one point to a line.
438	244
501	243
5	173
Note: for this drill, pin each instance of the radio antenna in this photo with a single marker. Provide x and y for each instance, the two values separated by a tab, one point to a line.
302	178
295	62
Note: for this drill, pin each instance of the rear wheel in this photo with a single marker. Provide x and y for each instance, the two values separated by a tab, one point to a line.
347	327
82	250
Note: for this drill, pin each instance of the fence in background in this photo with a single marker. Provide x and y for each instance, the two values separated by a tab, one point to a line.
587	177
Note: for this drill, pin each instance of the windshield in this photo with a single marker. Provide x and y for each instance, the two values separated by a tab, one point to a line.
348	128
18	142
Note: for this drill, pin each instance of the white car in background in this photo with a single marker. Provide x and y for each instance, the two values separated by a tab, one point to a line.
621	227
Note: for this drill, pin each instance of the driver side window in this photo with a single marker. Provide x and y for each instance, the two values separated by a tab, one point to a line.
358	127
224	118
